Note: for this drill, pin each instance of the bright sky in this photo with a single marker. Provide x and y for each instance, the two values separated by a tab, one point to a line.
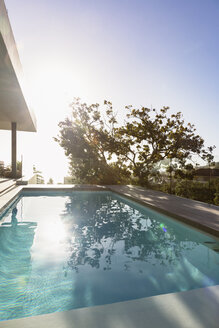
140	52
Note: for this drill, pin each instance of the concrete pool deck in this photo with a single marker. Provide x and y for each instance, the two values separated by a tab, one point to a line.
193	309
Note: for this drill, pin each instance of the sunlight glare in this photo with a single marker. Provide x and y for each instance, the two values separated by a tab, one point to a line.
49	246
54	233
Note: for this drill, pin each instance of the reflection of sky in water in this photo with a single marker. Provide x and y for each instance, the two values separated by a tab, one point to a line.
88	248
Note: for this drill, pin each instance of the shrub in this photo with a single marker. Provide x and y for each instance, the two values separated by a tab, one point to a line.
216	198
195	190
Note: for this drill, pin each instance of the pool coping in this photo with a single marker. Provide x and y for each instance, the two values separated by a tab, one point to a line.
182	309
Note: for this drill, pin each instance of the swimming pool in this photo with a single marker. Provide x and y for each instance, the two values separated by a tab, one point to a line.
61	251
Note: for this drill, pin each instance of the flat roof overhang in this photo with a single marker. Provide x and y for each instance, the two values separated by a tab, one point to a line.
13	104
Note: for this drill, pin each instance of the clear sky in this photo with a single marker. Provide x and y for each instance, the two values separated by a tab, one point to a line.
140	52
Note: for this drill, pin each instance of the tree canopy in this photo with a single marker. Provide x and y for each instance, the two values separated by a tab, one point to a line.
103	151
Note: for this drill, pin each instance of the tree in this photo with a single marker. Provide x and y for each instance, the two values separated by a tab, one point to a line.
209	157
101	151
88	140
150	136
50	181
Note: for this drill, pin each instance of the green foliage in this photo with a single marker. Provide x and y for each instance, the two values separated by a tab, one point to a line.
208	156
165	187
192	189
102	152
150	136
216	198
6	172
198	191
216	195
88	141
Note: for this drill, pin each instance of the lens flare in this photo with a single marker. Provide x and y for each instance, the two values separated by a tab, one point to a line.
162	227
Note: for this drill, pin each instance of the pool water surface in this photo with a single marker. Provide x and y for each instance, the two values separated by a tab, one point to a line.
71	250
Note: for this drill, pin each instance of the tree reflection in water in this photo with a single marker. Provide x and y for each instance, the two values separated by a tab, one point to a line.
100	224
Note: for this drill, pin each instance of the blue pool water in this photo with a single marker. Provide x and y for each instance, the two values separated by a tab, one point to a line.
65	251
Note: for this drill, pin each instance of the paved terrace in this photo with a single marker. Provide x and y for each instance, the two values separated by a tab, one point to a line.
191	309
